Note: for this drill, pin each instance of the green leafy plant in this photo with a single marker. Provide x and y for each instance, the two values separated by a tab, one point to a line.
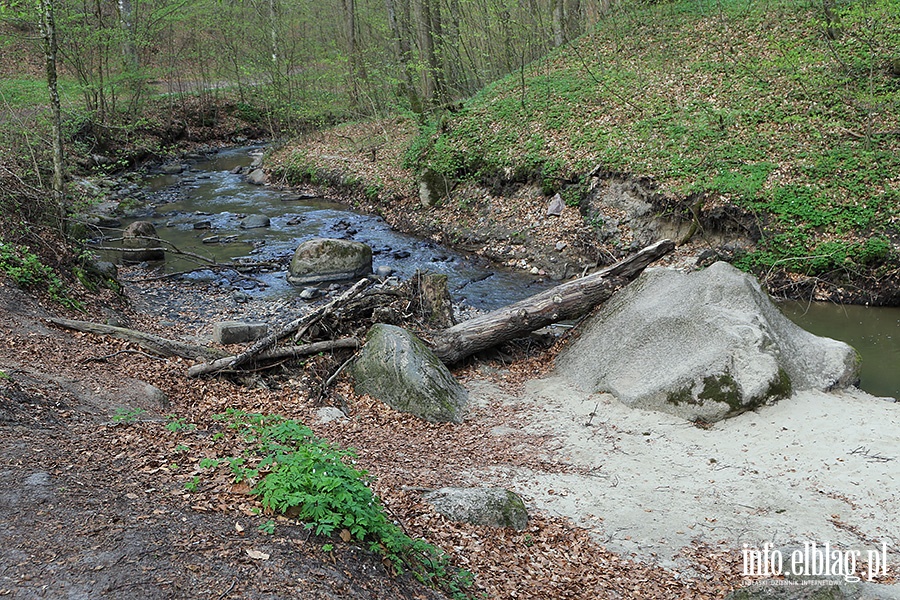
127	415
192	485
27	271
293	472
176	424
268	527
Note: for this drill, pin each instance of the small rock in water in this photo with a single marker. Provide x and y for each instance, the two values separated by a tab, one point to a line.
172	168
204	224
401	254
384	271
309	293
236	170
256	177
213	239
255	222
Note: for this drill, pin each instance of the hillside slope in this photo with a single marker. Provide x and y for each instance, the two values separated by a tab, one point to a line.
773	126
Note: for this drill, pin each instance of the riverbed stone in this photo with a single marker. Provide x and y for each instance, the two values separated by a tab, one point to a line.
704	346
257	177
238	332
489	506
140	243
325	259
172	168
397	368
255	222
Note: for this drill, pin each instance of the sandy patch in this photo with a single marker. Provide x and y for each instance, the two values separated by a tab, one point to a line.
816	467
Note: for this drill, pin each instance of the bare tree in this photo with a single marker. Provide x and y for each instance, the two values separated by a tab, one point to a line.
48	36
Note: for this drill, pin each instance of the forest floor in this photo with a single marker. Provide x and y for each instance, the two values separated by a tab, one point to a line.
95	464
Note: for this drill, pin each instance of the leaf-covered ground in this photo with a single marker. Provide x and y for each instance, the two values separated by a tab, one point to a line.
105	490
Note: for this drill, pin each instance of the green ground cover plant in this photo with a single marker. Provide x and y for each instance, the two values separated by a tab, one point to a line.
787	109
295	473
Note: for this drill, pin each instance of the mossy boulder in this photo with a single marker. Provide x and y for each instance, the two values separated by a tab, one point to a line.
325	259
140	243
493	507
397	368
704	346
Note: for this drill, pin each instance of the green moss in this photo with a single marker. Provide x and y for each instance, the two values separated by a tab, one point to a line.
778	389
684	395
723	388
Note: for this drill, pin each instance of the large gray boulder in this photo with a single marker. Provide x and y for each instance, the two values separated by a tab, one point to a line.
140	243
704	346
397	368
324	259
493	507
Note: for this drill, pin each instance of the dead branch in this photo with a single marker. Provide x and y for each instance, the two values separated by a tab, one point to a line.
297	326
152	343
222	364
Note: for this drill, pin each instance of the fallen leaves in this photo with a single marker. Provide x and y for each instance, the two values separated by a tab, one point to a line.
256	554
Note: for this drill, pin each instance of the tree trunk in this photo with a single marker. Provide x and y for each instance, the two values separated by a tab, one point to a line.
567	301
275	354
48	34
152	343
559	23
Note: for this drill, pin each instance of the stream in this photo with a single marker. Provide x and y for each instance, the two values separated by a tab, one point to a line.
873	331
209	200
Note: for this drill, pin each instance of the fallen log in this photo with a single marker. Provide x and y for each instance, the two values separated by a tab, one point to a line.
152	343
296	327
566	301
222	364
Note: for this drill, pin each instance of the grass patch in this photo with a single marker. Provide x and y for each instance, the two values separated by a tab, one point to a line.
781	108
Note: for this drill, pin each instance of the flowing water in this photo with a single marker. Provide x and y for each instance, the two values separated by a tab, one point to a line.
209	196
209	201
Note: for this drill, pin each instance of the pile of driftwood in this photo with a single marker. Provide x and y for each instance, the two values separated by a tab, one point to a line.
423	304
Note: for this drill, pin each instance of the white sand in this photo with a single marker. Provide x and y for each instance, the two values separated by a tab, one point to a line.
650	483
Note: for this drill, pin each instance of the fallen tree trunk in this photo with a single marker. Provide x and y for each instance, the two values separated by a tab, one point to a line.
296	327
275	354
152	343
566	301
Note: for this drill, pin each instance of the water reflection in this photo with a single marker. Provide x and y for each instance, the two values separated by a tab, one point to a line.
201	211
873	331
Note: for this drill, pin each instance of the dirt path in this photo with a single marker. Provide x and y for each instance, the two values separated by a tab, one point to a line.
90	509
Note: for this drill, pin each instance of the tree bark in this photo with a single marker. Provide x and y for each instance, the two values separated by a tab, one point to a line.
152	343
567	301
296	327
48	35
275	354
